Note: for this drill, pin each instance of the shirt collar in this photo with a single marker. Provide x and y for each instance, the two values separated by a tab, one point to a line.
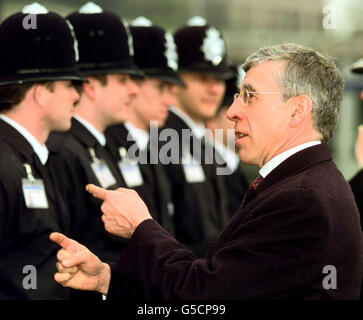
98	135
40	149
277	160
140	136
197	129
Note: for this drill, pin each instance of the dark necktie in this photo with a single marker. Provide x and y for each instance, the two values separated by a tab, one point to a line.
253	186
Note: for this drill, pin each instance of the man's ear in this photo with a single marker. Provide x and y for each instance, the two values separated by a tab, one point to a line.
41	94
89	89
302	106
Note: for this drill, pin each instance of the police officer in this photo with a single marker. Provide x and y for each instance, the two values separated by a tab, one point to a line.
156	92
105	57
198	193
37	67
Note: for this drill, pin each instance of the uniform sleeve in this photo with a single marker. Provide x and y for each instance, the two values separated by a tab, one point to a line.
270	253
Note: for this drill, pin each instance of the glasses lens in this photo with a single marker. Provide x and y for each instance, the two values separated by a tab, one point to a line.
246	96
236	96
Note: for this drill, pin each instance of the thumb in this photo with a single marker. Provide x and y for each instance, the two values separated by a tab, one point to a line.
61	239
97	192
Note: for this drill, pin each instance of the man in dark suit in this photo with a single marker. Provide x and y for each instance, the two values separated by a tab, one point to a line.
103	102
297	233
156	93
36	96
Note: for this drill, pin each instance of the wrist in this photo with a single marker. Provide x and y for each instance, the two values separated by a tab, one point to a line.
133	227
105	277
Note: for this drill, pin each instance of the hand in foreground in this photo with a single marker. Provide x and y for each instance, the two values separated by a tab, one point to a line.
79	268
123	210
359	147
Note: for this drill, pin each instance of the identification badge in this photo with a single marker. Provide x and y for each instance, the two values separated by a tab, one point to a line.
130	170
102	171
193	171
131	174
34	191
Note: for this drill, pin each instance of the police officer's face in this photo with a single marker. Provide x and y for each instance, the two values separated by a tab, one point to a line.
262	125
202	96
152	102
115	97
60	107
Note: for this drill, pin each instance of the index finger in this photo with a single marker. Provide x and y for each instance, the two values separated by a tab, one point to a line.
97	192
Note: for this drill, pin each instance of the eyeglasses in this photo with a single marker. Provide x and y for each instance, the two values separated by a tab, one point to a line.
247	94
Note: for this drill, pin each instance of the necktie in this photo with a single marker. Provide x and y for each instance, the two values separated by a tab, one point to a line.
256	182
253	186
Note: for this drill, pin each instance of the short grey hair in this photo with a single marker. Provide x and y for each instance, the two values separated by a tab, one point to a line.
307	72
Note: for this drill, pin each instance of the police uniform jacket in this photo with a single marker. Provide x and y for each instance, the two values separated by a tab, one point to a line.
284	243
155	189
25	247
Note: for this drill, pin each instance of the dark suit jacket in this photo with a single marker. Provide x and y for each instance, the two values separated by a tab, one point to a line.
237	186
300	219
87	226
24	232
201	208
155	190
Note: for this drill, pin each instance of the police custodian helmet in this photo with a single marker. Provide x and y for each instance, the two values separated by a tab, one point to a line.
357	67
155	51
202	48
37	45
104	41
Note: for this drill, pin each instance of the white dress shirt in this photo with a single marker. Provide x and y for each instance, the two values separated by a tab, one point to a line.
97	134
197	129
140	136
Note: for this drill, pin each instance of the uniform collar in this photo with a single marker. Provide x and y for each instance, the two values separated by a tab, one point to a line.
197	129
140	136
40	149
100	137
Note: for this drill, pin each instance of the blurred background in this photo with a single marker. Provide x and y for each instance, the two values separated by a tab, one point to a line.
334	27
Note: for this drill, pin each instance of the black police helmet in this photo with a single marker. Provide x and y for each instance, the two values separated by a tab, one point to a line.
155	51
202	48
104	41
357	67
37	45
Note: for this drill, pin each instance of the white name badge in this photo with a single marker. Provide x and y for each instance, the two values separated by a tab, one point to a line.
193	172
131	173
34	194
103	173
